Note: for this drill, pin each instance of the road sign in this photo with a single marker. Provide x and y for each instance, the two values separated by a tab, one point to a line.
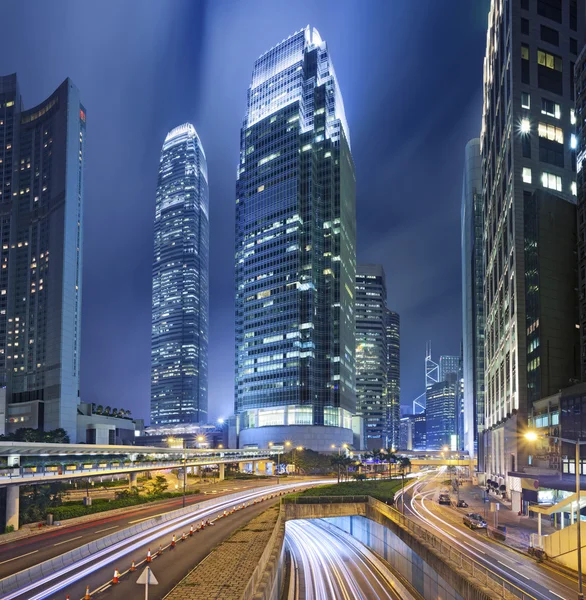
147	578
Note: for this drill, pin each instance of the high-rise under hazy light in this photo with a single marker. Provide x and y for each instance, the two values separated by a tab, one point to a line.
295	253
529	193
179	369
372	355
472	302
41	219
393	325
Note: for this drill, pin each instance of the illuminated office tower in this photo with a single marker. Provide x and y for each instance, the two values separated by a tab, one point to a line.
295	253
448	364
473	303
527	146
41	220
179	351
393	376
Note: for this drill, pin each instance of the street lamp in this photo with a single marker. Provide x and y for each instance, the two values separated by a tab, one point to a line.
532	436
295	450
278	459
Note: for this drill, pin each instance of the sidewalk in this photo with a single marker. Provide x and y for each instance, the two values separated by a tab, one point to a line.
519	528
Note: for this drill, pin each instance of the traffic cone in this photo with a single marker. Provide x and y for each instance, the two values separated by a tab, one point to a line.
191	531
149	557
116	576
203	524
183	536
160	550
173	542
87	593
132	567
225	513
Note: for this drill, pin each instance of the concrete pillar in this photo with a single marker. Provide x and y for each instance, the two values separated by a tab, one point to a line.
539	524
132	480
562	519
221	471
572	514
12	506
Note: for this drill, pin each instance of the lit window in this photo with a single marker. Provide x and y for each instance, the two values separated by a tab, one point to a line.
525	100
551	61
572	116
574	188
526	175
551	181
551	132
525	52
525	126
573	141
551	108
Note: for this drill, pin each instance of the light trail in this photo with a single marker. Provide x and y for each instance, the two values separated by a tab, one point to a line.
120	549
334	565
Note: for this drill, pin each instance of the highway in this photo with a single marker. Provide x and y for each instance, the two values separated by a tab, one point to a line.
538	579
97	570
30	551
327	563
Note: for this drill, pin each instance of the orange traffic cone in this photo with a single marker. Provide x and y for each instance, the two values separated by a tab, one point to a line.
149	557
173	542
116	576
87	593
132	567
183	536
225	513
203	524
191	530
160	550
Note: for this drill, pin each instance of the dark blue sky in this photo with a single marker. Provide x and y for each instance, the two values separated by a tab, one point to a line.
411	77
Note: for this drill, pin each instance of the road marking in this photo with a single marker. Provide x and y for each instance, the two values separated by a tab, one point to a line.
107	529
17	557
69	540
146	518
557	595
512	569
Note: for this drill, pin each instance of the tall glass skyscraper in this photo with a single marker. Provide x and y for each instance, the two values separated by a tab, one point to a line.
179	369
472	302
295	252
393	376
41	219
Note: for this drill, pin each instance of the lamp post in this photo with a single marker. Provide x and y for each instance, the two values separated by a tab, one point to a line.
533	437
295	450
184	477
278	459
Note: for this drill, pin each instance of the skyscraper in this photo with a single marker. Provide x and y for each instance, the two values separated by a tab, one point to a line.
372	398
440	414
448	364
295	252
529	189
41	221
394	375
580	119
472	302
179	351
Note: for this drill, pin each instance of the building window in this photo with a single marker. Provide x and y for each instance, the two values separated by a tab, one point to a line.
525	72
526	175
549	35
551	181
573	46
551	108
551	132
524	26
550	9
572	116
525	100
574	188
551	61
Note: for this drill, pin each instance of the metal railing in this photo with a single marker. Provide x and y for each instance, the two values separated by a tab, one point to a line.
324	499
497	584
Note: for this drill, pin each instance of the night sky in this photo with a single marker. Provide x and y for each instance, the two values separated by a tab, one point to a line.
411	77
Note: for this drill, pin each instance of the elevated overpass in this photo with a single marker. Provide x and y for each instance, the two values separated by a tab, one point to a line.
29	463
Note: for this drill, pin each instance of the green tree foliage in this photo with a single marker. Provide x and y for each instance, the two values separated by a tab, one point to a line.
156	486
309	462
27	434
37	500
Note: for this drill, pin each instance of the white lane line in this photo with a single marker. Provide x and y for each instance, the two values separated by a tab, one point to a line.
512	569
69	540
17	557
557	595
107	529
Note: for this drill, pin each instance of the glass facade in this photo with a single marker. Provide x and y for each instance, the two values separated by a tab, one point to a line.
472	302
179	352
41	218
440	414
393	325
295	243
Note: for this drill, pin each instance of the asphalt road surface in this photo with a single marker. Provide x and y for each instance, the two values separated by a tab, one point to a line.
537	579
327	563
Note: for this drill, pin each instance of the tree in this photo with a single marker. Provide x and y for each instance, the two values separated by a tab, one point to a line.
404	464
338	461
390	457
157	486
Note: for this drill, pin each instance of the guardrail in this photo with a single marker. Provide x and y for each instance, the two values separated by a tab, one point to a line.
500	586
324	499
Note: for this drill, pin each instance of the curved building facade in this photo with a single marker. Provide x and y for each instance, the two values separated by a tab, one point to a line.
41	219
295	252
179	352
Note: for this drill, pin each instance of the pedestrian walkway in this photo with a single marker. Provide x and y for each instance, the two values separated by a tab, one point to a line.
519	527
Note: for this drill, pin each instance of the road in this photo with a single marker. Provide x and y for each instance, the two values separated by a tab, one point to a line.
538	579
98	569
327	563
30	551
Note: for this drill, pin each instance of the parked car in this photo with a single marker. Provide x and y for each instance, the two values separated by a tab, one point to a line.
474	521
444	499
462	504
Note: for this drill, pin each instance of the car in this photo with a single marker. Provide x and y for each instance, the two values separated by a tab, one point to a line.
462	504
474	521
444	499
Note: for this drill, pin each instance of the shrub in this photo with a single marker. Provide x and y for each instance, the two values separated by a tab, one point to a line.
9	529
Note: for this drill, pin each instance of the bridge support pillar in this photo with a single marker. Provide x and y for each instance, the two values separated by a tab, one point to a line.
132	480
12	506
221	471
